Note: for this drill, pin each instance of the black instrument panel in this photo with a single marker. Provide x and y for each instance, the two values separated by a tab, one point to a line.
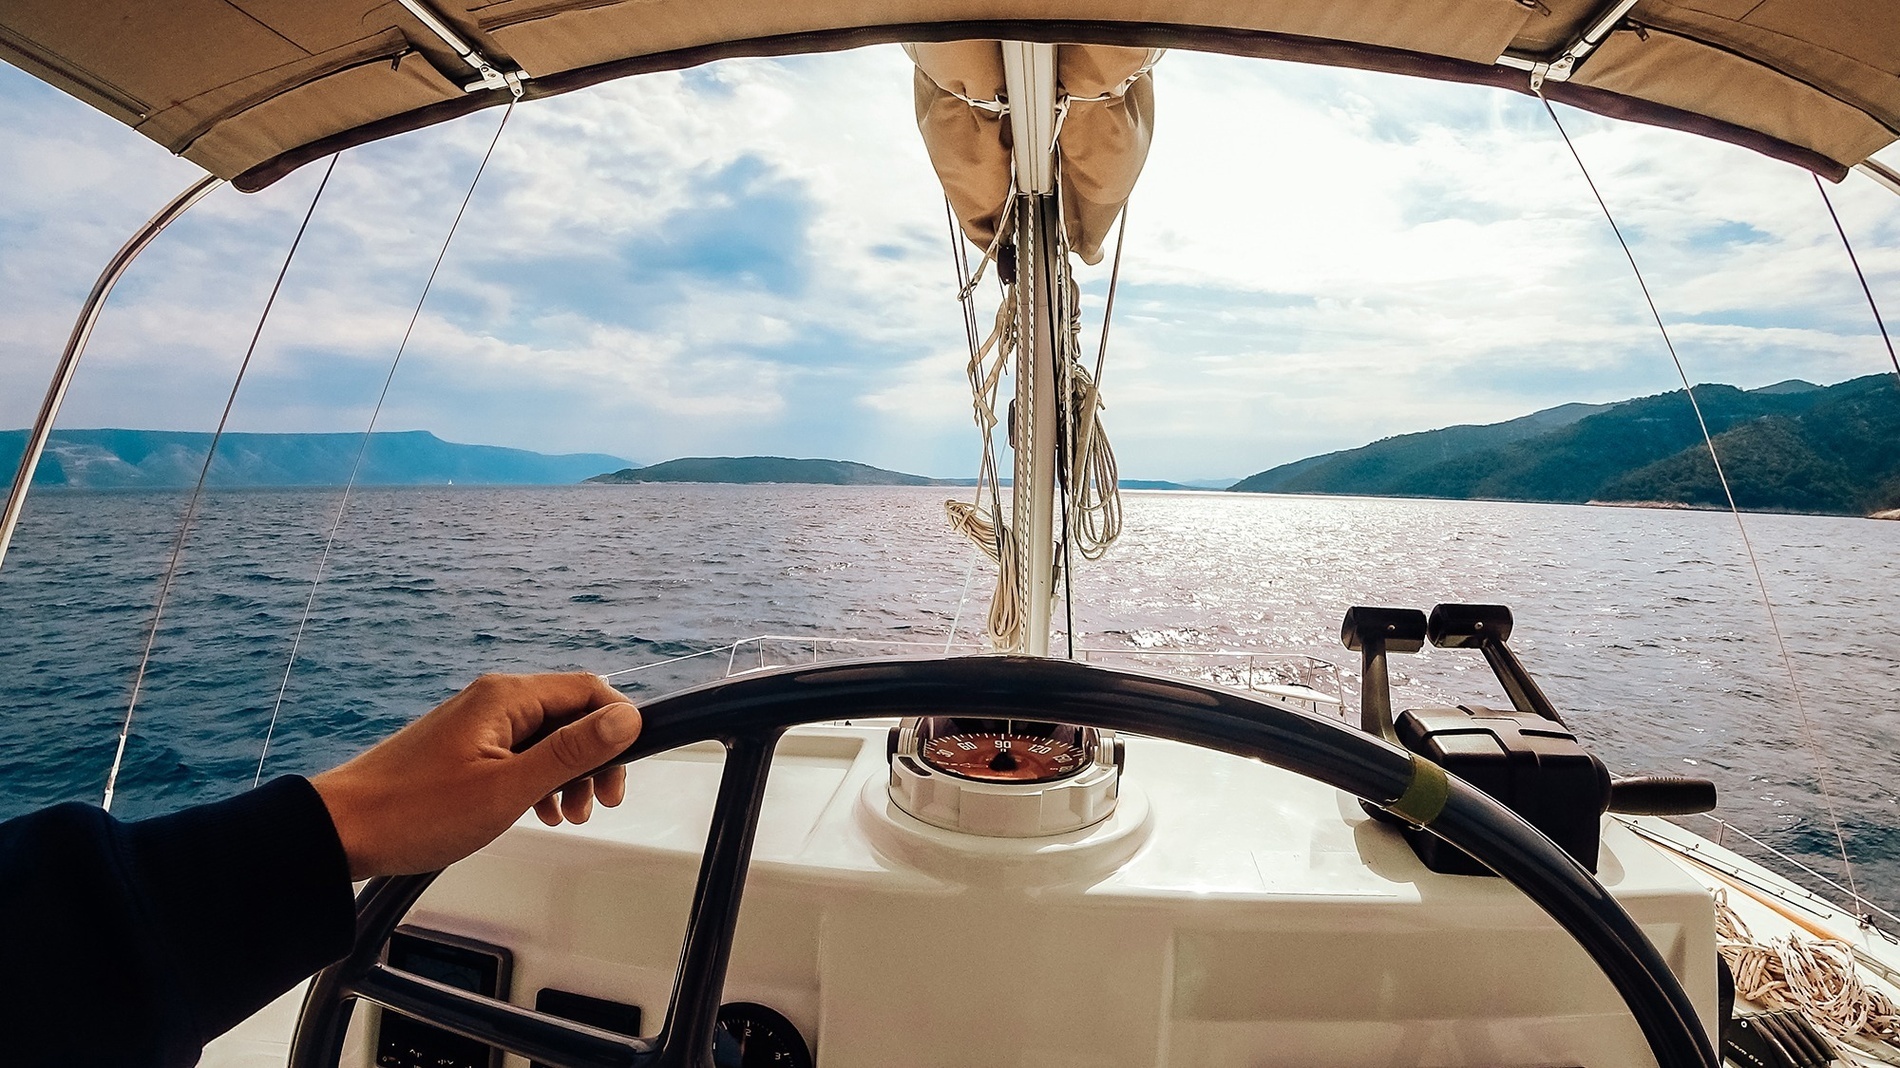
616	1016
750	1035
463	963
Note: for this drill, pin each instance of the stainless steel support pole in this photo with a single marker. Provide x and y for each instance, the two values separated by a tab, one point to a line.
1029	72
1033	496
76	347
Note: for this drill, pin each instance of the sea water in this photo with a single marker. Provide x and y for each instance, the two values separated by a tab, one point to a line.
1646	627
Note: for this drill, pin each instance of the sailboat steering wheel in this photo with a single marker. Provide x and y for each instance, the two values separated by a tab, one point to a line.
750	713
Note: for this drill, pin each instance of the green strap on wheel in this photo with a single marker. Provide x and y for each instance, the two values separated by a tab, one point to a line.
1425	796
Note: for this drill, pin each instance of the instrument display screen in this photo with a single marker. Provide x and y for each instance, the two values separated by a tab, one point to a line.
462	963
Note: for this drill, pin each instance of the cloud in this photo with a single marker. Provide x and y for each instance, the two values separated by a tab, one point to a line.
751	257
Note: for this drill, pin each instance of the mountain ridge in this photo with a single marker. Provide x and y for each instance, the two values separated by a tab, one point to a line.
170	459
1792	447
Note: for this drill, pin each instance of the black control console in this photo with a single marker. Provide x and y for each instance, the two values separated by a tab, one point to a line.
1525	757
1532	764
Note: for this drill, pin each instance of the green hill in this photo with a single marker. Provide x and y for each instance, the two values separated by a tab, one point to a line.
1373	469
163	459
1787	447
752	470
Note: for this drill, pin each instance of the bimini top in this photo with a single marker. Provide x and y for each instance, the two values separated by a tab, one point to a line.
251	89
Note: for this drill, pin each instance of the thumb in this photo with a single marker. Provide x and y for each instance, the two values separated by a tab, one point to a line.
581	746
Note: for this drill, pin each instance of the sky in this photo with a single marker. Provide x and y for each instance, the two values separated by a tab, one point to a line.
752	258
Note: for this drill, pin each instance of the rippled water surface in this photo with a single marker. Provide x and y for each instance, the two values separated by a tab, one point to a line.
1645	626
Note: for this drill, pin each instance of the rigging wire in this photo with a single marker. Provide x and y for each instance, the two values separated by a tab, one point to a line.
1068	581
1858	273
956	618
1781	644
1066	345
197	494
362	449
1098	493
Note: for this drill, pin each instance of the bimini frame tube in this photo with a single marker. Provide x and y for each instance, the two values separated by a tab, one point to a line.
76	346
1888	178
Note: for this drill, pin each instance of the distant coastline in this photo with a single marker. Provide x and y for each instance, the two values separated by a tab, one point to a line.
1792	447
784	470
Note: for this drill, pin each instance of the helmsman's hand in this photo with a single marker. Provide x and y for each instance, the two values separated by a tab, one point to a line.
447	784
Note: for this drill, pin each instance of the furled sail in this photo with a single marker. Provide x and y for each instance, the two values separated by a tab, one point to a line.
1106	116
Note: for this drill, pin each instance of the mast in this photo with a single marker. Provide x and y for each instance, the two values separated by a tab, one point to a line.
1030	75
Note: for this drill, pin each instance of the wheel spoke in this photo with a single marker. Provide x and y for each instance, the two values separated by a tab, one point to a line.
686	1041
537	1036
327	1005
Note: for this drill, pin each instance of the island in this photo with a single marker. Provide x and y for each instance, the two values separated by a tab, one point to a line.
755	470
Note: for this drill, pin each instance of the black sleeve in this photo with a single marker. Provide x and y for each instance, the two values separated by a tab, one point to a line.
137	943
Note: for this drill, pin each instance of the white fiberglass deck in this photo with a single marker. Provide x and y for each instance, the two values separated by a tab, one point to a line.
1229	913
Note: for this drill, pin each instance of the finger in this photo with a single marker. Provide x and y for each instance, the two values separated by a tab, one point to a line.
549	811
573	693
577	800
550	700
578	748
610	786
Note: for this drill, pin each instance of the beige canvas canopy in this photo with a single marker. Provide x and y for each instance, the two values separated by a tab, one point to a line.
251	89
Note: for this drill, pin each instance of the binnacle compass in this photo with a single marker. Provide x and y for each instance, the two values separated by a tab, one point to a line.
1005	778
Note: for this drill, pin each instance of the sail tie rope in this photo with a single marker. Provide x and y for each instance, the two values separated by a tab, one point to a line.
1860	274
197	494
985	528
1814	976
1761	583
362	448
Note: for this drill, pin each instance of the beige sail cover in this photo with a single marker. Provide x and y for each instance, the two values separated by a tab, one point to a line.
1106	126
253	88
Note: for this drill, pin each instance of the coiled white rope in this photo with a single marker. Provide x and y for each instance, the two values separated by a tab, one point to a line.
1814	976
1094	480
1095	492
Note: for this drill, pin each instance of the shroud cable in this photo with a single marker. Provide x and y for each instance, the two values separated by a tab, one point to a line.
1860	274
197	496
362	449
1761	583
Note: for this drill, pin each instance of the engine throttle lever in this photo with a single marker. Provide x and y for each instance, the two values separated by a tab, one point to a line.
1374	632
1487	627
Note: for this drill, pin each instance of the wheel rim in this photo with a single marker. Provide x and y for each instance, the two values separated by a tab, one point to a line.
748	715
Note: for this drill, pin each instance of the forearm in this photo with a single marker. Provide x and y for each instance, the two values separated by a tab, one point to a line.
137	943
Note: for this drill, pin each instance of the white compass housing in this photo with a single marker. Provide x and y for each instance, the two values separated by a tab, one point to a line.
1004	778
